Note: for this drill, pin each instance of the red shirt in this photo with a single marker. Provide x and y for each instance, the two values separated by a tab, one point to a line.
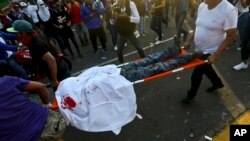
74	10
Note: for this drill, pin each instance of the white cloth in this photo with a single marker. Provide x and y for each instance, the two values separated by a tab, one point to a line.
211	25
97	100
43	11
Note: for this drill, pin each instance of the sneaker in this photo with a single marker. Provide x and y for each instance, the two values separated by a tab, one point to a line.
126	44
115	48
240	66
186	100
158	42
96	52
213	88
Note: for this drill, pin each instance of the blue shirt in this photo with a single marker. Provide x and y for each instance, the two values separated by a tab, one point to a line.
20	119
4	47
94	21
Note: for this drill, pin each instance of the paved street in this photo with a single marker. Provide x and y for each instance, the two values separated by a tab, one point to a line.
164	118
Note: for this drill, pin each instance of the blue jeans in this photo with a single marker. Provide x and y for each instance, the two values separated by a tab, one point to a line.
155	63
81	31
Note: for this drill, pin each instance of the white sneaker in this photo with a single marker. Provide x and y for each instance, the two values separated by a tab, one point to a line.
240	66
115	48
126	44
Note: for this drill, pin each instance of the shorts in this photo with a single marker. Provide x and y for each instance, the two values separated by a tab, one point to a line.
54	126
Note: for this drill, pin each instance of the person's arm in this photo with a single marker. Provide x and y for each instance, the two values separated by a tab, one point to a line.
51	62
8	36
40	89
135	17
231	33
6	47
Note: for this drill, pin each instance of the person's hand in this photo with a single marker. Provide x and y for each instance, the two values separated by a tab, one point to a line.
60	26
212	58
49	105
54	84
69	24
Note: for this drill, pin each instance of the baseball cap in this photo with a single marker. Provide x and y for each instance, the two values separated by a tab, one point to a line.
23	4
20	26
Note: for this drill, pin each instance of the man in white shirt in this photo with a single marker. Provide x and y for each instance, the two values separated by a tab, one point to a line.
215	29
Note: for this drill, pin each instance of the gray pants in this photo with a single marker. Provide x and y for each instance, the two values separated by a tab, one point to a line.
155	63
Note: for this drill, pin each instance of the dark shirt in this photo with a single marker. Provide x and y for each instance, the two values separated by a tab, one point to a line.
38	47
157	11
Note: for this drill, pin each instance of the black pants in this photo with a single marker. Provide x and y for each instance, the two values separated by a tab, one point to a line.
196	78
93	34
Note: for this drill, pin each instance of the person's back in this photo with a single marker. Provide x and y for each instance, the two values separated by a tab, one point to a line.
20	119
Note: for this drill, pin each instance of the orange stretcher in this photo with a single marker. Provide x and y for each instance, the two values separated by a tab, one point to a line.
189	65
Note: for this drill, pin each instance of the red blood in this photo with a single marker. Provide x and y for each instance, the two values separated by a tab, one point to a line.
70	102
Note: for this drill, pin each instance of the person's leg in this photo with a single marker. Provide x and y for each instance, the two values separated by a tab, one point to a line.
139	73
244	53
16	67
196	79
180	20
153	25
66	43
79	32
213	77
84	31
135	42
120	44
93	38
102	37
75	44
60	43
160	56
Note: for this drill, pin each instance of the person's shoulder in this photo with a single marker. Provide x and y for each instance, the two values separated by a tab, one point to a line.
227	6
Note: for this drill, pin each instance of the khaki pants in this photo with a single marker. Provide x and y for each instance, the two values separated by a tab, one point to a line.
54	127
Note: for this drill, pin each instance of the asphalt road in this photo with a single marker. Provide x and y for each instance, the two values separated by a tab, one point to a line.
164	118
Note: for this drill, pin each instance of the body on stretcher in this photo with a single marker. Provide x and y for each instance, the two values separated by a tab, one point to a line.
189	65
95	102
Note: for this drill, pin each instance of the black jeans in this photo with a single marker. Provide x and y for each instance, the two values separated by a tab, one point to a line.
196	78
93	34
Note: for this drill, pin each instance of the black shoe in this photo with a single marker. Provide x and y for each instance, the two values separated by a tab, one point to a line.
186	100
176	40
213	88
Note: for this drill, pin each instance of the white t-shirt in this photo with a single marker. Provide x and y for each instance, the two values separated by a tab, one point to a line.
240	7
32	12
211	25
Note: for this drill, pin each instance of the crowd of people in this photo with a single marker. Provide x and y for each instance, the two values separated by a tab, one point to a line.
46	28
